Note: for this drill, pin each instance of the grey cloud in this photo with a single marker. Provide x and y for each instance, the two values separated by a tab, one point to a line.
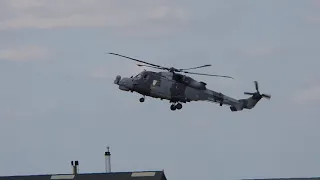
308	96
24	53
312	15
79	13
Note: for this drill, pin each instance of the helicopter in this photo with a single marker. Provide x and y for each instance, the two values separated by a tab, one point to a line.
170	84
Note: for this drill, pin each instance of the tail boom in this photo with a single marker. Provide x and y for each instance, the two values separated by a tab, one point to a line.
235	105
192	94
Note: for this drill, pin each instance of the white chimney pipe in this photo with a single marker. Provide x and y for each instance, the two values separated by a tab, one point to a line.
108	162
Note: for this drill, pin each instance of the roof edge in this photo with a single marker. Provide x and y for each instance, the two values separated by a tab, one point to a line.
94	173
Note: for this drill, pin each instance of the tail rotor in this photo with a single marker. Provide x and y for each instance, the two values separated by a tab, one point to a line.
257	94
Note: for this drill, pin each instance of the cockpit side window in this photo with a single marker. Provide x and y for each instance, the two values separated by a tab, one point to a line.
137	77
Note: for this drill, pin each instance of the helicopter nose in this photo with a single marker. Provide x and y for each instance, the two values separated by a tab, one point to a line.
125	84
118	78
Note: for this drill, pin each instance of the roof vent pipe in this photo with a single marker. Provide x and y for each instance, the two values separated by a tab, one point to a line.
107	156
75	167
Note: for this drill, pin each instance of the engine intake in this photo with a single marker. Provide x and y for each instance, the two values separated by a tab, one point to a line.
198	85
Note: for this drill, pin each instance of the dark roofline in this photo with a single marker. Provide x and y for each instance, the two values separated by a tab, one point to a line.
97	173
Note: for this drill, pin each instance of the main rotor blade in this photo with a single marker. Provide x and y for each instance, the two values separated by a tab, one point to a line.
142	65
208	74
196	67
136	60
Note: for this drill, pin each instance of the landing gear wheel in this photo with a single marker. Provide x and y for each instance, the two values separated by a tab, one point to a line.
179	106
173	107
141	99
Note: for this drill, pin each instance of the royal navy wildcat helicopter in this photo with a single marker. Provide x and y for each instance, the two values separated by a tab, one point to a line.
177	88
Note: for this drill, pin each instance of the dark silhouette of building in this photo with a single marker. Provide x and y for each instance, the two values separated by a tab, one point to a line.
144	175
108	175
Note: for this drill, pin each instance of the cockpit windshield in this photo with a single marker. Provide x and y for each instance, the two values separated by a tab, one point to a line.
137	77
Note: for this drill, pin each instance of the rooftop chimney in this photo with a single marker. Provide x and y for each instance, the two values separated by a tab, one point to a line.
107	155
75	167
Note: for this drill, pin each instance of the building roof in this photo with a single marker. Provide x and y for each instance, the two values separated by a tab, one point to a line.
142	175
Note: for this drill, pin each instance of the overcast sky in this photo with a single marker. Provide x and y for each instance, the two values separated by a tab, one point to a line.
58	102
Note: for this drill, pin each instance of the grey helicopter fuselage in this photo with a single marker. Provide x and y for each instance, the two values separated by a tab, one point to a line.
164	85
176	88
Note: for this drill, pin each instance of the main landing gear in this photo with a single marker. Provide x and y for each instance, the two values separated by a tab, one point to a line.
176	106
142	99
